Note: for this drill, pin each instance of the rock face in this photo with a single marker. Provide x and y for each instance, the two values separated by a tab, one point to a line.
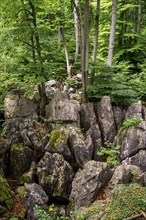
134	111
33	195
82	150
4	152
16	106
125	174
119	116
55	176
88	183
63	110
132	140
105	117
90	126
20	160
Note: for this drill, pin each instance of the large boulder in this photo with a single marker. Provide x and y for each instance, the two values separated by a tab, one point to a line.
81	148
4	152
20	160
88	183
90	126
106	120
132	140
125	174
138	159
33	195
19	106
134	111
64	110
57	143
55	176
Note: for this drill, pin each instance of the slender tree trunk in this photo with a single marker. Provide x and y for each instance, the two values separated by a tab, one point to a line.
76	26
59	38
112	33
85	58
96	31
41	87
138	17
66	53
96	37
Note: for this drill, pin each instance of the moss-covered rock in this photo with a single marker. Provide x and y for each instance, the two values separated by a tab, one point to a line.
20	160
6	195
56	137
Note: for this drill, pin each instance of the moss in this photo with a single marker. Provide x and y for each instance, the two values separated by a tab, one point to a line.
48	179
56	137
6	194
17	147
21	191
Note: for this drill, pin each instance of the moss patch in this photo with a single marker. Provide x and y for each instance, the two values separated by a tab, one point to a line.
6	194
56	137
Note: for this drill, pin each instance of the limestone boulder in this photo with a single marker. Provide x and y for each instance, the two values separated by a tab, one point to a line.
132	140
89	182
63	110
125	174
19	106
81	148
134	111
138	159
4	155
20	160
34	196
106	120
55	175
57	143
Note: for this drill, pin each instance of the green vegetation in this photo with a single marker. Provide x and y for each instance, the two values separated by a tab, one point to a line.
56	137
126	201
111	153
128	123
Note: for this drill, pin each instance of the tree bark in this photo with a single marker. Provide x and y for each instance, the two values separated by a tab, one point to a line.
96	38
112	33
76	26
85	58
66	52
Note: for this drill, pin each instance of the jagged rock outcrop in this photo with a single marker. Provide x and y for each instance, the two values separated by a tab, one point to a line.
138	159
55	175
88	183
18	106
20	160
105	118
125	174
33	194
4	155
119	116
90	125
132	140
58	143
63	110
134	111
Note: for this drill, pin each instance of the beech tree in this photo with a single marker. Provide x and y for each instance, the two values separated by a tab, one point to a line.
112	33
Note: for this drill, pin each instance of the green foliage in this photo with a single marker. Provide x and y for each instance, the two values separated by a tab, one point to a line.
126	201
115	82
50	215
13	218
129	122
111	153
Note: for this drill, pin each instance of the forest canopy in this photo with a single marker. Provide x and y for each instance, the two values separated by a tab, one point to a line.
104	40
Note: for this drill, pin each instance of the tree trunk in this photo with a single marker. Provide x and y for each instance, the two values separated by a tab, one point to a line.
66	53
96	37
85	58
41	87
138	17
112	33
76	26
